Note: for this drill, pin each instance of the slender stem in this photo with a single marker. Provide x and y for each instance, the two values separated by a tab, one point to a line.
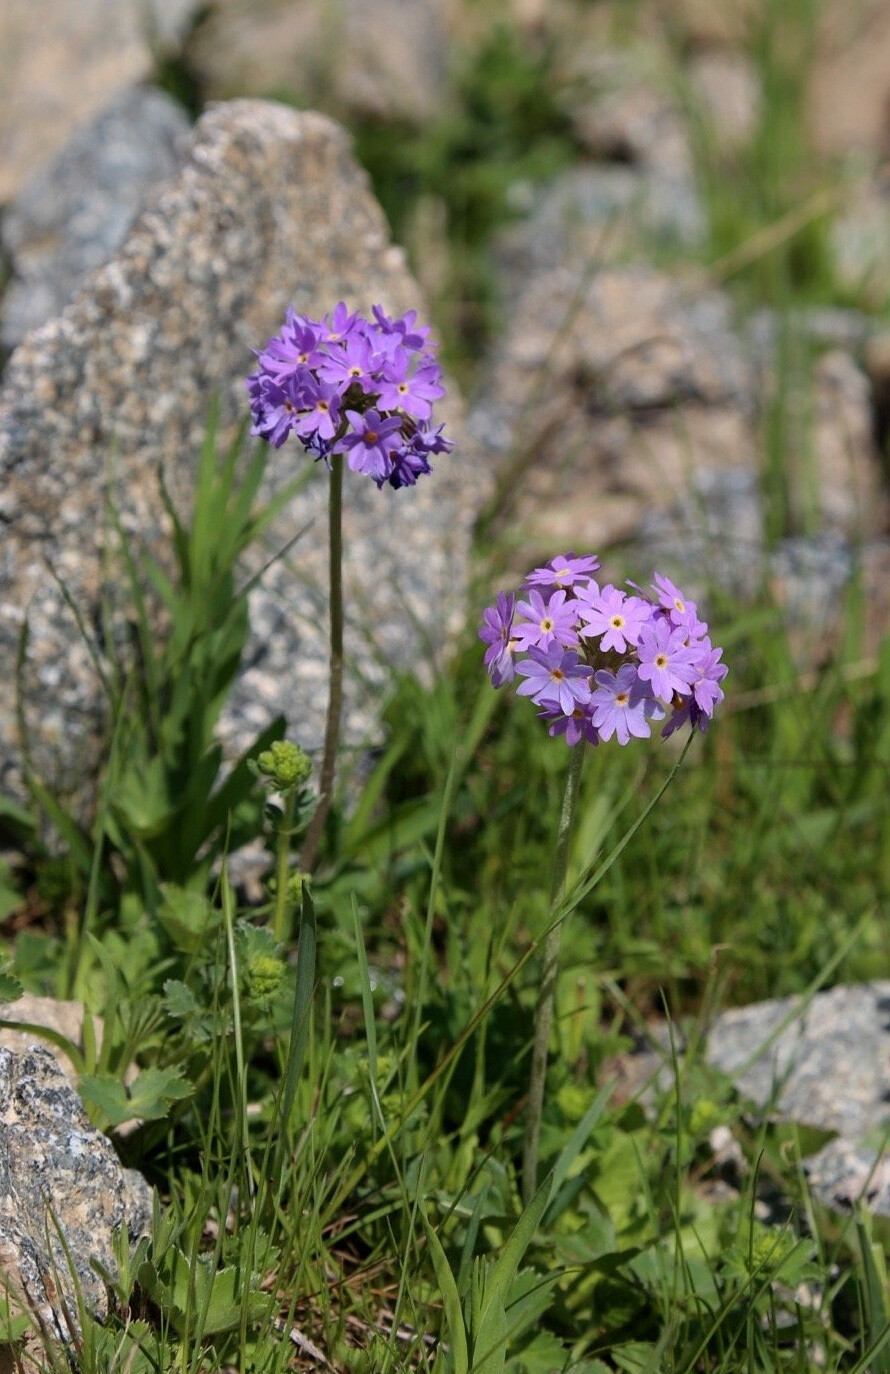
547	991
281	923
335	699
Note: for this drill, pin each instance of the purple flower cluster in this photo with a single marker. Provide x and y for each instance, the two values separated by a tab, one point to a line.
600	661
344	384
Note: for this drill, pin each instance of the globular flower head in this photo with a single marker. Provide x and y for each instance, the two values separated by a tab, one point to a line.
363	388
603	663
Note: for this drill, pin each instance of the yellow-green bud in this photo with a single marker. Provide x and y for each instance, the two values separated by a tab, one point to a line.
284	765
264	975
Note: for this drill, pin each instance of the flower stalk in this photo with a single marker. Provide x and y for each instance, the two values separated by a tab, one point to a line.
335	695
547	990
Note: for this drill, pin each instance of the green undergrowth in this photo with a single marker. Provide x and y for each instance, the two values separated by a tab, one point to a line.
333	1122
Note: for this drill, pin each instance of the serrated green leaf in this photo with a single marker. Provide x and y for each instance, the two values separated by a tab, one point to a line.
149	1097
108	1094
10	988
543	1355
179	1000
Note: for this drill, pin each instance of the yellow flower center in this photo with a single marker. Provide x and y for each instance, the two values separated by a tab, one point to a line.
617	621
546	625
622	699
660	661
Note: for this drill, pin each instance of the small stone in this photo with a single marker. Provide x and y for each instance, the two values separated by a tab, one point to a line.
65	1018
55	1168
824	1065
74	213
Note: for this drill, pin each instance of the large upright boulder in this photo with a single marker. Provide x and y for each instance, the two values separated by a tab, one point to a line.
269	207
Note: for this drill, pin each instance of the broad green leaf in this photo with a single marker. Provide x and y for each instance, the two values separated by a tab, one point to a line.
454	1319
490	1343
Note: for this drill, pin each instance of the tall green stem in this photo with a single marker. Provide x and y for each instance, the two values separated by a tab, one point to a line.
281	922
335	699
547	991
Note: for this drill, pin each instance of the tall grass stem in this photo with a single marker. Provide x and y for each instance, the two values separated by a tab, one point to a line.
547	991
335	698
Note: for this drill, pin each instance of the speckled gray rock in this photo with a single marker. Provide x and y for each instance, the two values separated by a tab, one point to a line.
606	392
729	94
76	211
384	58
713	536
826	1065
55	1168
597	214
269	207
60	63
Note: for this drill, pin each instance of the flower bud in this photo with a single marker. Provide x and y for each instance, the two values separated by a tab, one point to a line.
283	766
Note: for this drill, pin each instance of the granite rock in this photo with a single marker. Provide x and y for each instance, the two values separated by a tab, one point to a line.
62	62
825	1065
729	95
597	214
64	1018
268	207
622	108
76	211
607	391
859	240
383	58
56	1168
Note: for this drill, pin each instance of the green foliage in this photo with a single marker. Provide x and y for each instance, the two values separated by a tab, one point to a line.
332	1113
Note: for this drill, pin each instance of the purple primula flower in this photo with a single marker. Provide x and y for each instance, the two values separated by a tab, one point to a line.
675	602
666	662
563	571
413	394
295	349
312	370
575	726
600	661
403	328
275	406
620	705
618	618
340	323
370	444
555	678
709	673
496	631
545	622
323	414
351	362
688	621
